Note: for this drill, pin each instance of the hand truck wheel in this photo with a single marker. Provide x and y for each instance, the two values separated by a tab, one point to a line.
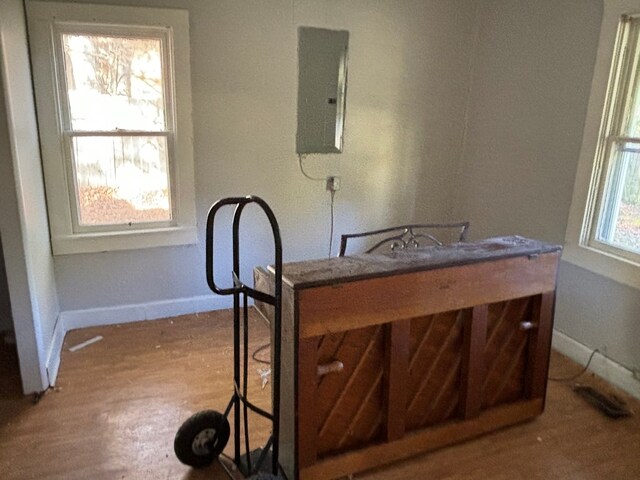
201	438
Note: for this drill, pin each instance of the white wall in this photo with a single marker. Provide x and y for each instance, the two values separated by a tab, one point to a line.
23	221
448	101
531	77
405	105
599	313
531	74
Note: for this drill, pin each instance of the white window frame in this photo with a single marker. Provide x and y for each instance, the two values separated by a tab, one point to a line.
47	21
580	247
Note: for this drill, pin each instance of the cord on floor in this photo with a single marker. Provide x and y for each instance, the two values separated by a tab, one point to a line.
255	353
576	376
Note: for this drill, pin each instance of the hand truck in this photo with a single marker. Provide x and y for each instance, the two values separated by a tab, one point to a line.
202	437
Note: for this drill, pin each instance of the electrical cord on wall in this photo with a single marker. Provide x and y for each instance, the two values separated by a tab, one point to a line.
261	348
576	376
301	158
333	194
255	353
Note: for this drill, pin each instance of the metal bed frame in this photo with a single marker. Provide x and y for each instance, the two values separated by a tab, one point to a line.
406	236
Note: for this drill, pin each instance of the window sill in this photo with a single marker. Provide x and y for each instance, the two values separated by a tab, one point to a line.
616	268
129	240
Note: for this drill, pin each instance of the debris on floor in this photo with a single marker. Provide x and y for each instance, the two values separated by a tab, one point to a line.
264	373
91	341
611	406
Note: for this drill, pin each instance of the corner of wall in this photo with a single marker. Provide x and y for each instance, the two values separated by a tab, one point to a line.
456	199
30	271
602	366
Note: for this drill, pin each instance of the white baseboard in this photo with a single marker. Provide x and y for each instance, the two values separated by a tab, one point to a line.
602	366
95	317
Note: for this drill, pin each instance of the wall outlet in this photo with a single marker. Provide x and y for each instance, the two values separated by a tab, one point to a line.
333	184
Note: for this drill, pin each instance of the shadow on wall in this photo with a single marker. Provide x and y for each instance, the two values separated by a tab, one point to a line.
5	306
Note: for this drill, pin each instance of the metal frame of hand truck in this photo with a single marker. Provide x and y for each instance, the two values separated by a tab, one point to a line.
241	293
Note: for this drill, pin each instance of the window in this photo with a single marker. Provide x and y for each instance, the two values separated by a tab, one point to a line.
113	98
603	225
613	224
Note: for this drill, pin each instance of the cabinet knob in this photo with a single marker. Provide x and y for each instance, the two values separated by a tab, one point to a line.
528	326
335	366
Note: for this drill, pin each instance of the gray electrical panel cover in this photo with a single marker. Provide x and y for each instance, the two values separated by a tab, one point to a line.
322	86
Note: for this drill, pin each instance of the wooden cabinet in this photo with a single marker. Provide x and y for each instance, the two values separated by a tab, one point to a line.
437	346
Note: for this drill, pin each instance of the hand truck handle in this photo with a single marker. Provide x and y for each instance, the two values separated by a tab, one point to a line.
240	203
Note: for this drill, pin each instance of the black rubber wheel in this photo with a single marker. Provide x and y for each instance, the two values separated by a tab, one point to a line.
201	438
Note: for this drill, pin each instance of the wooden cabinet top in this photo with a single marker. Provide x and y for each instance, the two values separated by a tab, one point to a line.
312	273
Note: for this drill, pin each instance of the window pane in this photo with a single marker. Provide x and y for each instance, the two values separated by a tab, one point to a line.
114	82
620	218
121	180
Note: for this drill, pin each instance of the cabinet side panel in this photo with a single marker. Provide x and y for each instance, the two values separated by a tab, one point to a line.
288	385
264	281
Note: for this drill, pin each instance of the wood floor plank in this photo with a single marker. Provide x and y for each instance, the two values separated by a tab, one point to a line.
119	403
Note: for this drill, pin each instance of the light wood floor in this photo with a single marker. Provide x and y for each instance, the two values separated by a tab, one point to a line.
119	402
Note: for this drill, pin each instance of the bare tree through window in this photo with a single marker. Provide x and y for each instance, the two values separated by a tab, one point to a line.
115	90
